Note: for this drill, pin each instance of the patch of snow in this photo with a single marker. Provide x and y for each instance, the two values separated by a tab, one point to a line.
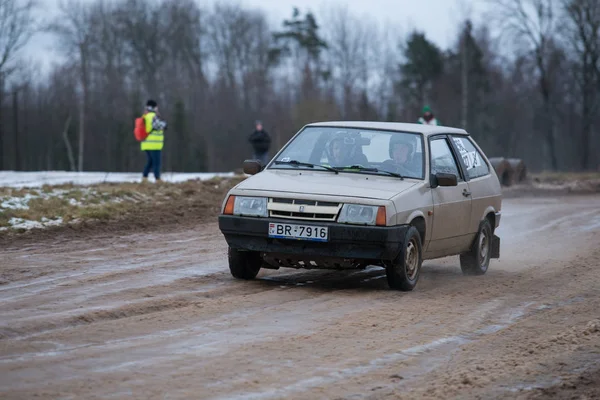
74	202
52	222
22	202
16	203
18	179
20	223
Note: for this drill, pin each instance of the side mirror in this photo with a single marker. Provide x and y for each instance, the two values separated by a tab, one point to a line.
442	179
252	167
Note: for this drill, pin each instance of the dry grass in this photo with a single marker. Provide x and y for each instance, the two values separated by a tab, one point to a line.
7	191
142	204
103	212
40	208
4	218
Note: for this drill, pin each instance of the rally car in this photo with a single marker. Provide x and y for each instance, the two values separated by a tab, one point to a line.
345	195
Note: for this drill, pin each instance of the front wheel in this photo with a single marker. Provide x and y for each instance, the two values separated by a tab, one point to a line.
477	260
244	264
403	272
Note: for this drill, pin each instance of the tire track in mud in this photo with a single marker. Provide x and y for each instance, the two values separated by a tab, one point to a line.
478	317
490	319
293	334
437	351
179	293
194	291
538	352
197	292
91	280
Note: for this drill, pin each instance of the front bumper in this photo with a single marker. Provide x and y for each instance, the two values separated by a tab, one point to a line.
345	241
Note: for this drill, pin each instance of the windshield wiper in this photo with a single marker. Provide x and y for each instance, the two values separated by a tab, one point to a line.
370	169
309	165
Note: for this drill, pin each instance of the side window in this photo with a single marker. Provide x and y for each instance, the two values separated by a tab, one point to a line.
442	159
472	158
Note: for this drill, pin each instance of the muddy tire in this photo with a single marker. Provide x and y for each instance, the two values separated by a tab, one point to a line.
477	260
244	264
403	273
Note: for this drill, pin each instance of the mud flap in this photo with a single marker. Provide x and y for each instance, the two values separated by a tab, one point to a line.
495	247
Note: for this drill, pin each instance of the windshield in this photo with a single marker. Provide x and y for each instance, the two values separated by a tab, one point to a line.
341	148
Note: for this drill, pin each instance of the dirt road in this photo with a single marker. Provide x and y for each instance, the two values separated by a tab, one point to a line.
157	316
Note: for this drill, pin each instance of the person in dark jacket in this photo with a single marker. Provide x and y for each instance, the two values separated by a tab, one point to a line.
261	142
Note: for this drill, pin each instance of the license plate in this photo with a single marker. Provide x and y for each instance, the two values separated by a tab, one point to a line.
299	232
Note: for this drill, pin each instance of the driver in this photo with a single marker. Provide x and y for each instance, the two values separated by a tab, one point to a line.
344	150
401	151
338	153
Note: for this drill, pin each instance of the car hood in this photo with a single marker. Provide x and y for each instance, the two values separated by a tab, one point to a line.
327	183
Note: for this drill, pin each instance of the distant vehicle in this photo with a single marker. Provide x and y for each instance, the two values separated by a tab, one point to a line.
400	194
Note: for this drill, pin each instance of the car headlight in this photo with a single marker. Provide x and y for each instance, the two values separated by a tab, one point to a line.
250	206
363	215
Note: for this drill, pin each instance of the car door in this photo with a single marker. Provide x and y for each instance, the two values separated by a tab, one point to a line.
451	204
484	187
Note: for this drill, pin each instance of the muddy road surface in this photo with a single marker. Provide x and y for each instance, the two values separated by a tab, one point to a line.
158	316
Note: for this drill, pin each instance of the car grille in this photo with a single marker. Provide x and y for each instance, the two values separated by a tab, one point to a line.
303	209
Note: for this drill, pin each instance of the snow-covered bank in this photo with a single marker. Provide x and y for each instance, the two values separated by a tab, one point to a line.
39	178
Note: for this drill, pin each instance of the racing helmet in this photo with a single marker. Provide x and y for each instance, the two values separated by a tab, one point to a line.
344	140
351	142
399	138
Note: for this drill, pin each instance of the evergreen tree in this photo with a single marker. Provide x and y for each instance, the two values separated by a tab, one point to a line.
424	63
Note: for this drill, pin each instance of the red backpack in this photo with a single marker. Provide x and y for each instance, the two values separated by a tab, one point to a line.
139	130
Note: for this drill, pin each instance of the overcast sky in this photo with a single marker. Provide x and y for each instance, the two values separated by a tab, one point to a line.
439	19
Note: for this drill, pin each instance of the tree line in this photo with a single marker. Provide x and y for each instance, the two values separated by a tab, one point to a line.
533	92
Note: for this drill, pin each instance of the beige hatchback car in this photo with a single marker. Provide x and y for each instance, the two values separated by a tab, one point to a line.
345	195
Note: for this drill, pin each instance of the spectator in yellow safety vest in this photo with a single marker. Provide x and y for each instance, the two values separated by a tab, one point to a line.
153	144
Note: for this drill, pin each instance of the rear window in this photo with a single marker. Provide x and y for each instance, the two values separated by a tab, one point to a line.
472	158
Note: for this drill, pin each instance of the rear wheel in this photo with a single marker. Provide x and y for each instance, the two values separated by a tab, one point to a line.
403	273
477	260
244	264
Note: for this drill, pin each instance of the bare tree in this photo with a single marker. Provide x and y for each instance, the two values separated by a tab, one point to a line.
239	40
532	24
145	27
584	38
109	76
383	53
68	143
74	28
348	42
17	24
214	70
183	77
187	43
239	43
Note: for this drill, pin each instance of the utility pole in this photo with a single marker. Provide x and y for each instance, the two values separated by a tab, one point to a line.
465	74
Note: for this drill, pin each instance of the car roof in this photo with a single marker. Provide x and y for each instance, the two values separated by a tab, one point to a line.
426	130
